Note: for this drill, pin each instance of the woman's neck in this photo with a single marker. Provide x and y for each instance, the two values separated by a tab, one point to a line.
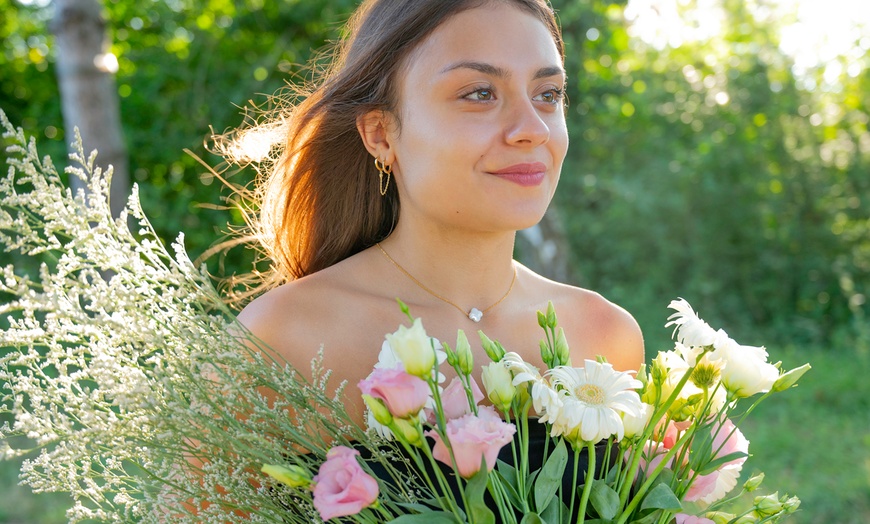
470	269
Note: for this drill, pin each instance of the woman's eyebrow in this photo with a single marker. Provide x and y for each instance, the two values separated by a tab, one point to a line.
500	72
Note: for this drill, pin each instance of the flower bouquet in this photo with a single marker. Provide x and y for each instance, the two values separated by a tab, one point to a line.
670	446
128	384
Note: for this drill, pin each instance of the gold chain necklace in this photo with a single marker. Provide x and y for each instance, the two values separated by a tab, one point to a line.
474	314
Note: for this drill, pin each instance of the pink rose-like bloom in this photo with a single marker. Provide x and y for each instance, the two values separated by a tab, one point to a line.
341	486
403	393
454	400
713	486
682	518
473	437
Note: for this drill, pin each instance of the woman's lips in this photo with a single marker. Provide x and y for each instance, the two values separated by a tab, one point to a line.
523	174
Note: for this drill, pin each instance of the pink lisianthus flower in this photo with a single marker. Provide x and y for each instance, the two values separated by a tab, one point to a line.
403	393
713	486
454	400
472	438
341	486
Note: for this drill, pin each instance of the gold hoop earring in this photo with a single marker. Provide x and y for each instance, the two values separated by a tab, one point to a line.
383	169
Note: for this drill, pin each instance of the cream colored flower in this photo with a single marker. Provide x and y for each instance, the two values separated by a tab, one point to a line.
592	400
746	371
498	383
414	349
634	424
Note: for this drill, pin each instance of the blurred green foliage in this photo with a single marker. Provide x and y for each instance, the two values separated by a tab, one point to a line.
704	171
707	171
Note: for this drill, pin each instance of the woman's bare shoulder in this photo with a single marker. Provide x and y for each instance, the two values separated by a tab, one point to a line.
288	318
596	326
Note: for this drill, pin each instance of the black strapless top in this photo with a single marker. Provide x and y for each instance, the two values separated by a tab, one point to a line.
537	438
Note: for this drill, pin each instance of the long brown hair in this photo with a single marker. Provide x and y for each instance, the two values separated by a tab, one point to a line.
320	202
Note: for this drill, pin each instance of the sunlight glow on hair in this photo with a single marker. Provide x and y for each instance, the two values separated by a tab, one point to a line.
255	144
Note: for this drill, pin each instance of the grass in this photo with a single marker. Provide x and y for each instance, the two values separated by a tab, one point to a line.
812	441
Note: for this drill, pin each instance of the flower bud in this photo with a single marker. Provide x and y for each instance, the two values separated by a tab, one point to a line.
464	357
650	393
563	354
635	425
753	483
719	517
659	370
551	315
414	348
546	354
789	378
451	355
493	349
542	319
379	410
684	408
768	505
293	476
791	504
498	383
407	430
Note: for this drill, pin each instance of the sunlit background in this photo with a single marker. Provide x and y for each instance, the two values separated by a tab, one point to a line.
719	152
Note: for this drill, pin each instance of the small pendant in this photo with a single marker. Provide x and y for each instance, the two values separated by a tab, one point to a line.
475	314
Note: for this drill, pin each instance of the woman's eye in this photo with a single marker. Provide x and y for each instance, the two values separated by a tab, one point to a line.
480	95
552	96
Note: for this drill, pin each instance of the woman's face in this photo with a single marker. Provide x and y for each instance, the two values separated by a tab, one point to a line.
482	135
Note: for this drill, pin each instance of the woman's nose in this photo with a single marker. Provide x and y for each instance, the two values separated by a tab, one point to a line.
525	125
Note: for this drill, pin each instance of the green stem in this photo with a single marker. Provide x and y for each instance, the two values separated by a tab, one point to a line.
574	483
587	487
656	472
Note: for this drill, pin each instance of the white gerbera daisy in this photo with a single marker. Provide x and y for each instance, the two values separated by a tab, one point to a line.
689	329
592	400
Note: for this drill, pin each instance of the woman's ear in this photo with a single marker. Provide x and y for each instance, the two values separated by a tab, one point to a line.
374	129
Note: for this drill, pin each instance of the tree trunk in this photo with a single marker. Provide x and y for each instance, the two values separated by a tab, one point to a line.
89	99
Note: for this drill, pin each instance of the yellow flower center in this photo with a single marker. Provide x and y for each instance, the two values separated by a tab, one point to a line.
590	394
705	376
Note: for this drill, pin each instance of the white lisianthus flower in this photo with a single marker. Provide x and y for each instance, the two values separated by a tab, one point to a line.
593	398
498	383
413	347
389	359
634	424
746	370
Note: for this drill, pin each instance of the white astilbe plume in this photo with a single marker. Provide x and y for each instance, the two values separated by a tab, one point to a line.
127	374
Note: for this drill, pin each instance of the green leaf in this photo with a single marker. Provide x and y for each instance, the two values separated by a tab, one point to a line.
434	517
551	475
551	513
713	465
604	499
661	497
508	473
474	490
511	491
649	519
532	518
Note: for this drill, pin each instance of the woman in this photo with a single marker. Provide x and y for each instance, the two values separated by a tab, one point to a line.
439	133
